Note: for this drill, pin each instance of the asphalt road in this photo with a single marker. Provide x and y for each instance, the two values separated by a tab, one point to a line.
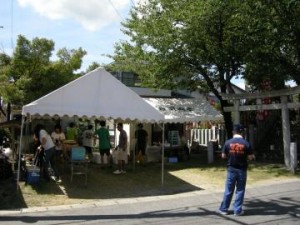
276	203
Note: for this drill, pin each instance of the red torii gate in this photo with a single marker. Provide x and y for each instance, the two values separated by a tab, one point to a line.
284	106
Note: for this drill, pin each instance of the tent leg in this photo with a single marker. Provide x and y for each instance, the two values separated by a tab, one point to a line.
163	157
134	159
19	153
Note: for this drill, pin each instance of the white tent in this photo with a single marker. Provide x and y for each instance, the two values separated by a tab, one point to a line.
97	94
100	95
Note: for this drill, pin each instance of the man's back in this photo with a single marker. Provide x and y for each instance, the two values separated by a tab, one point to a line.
237	149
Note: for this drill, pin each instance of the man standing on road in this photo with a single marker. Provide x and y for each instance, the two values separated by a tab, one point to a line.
237	150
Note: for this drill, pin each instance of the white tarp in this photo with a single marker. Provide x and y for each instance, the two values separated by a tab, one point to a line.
180	110
97	94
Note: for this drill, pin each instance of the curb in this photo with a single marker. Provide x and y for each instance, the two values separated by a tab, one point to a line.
120	201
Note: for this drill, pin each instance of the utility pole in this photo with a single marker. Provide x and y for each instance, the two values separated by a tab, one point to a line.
1	109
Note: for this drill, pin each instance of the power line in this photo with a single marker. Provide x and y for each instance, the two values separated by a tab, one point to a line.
115	9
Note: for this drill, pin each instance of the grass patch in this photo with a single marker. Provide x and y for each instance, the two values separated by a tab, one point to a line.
140	181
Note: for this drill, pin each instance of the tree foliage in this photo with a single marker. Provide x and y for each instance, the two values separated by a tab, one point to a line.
204	44
274	33
31	73
184	44
92	66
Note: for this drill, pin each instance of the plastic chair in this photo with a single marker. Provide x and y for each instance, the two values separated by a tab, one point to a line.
79	163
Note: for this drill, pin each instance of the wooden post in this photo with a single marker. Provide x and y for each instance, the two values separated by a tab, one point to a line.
285	130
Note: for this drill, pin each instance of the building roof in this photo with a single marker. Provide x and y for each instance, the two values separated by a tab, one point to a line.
180	110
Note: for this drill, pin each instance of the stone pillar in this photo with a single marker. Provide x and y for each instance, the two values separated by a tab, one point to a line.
236	118
252	135
210	152
294	157
285	130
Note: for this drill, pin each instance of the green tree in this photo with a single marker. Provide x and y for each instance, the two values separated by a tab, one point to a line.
274	34
204	44
192	44
33	72
93	66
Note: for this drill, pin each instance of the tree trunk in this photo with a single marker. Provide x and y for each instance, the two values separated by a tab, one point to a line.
8	111
227	119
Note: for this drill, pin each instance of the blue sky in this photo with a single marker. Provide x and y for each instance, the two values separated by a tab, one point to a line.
93	25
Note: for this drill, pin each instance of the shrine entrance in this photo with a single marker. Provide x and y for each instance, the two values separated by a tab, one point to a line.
278	100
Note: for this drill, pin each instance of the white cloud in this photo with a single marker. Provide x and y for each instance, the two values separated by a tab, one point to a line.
91	14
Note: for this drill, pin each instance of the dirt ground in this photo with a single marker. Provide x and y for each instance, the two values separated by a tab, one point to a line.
139	181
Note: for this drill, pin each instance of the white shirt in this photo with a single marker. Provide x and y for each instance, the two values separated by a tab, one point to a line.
88	138
58	138
49	142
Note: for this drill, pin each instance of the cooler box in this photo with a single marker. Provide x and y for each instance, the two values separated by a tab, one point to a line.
33	175
78	153
173	160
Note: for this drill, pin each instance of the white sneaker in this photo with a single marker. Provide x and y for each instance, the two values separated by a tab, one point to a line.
222	212
123	171
239	214
58	180
117	172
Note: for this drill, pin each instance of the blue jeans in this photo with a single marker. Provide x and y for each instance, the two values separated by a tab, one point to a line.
236	178
49	159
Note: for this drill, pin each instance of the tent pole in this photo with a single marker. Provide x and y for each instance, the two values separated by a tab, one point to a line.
163	156
134	149
19	152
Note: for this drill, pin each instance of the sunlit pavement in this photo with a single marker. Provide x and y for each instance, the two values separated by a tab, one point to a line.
276	203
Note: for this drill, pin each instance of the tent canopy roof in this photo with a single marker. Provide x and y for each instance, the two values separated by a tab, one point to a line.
96	94
180	110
